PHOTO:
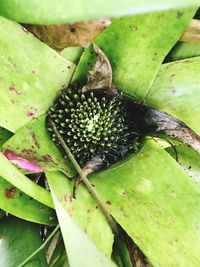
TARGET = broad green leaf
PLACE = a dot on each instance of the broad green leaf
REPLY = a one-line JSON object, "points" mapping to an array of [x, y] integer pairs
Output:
{"points": [[72, 54], [135, 47], [156, 203], [21, 205], [83, 210], [81, 251], [4, 136], [176, 91], [32, 142], [184, 50], [188, 160], [17, 179], [18, 239], [54, 12], [32, 75]]}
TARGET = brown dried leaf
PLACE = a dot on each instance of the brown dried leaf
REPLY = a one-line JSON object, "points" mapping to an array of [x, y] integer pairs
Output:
{"points": [[192, 34], [100, 76], [69, 34]]}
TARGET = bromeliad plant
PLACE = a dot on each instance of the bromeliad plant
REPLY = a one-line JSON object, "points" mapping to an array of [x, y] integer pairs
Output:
{"points": [[97, 121], [145, 193]]}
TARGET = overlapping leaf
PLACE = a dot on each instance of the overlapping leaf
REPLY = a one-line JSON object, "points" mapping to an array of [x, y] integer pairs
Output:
{"points": [[77, 242], [188, 160], [176, 91], [135, 47], [184, 50], [17, 179], [18, 239], [55, 12], [28, 76], [32, 142], [21, 205], [156, 203], [4, 136], [83, 210]]}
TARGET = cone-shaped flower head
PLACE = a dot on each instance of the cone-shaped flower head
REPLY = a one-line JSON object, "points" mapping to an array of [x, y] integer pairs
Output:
{"points": [[92, 125]]}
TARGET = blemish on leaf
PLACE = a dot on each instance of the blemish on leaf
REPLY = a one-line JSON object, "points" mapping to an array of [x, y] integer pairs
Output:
{"points": [[108, 202], [30, 114], [9, 192], [48, 158], [13, 87], [35, 140], [97, 207], [65, 198], [173, 193], [179, 14], [26, 152], [173, 90], [122, 194]]}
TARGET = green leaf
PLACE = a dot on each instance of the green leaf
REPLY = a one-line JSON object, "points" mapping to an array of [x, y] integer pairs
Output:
{"points": [[188, 159], [32, 142], [21, 205], [176, 91], [136, 48], [72, 54], [54, 12], [121, 253], [4, 136], [184, 50], [59, 257], [81, 251], [156, 203], [32, 75], [83, 210], [18, 239], [17, 179]]}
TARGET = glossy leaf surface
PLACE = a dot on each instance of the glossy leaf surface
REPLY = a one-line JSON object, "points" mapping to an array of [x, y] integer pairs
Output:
{"points": [[55, 12]]}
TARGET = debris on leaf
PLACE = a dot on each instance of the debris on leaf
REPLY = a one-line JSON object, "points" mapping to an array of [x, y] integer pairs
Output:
{"points": [[100, 76], [22, 163], [68, 35]]}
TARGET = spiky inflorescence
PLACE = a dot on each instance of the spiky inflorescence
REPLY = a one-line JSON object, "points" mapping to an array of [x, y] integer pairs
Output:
{"points": [[92, 125]]}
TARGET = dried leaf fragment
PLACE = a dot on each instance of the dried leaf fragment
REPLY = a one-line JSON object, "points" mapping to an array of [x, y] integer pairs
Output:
{"points": [[100, 76], [192, 34], [69, 34]]}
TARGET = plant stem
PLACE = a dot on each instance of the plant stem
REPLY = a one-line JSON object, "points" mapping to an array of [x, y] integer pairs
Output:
{"points": [[40, 248], [87, 183], [173, 127]]}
